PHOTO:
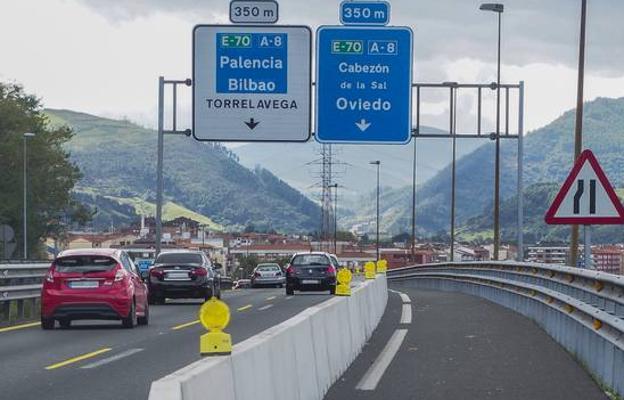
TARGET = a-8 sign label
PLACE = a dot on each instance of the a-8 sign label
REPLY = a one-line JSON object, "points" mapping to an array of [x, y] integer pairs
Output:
{"points": [[251, 83], [364, 78]]}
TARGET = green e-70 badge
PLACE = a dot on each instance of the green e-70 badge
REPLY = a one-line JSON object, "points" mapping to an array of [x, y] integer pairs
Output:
{"points": [[347, 47]]}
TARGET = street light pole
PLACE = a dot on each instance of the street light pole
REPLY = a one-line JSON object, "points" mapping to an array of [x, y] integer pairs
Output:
{"points": [[25, 207], [335, 186], [578, 130], [497, 8], [378, 164]]}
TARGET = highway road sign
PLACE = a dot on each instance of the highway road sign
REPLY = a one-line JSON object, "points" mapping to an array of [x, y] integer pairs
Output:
{"points": [[364, 78], [586, 197], [254, 11], [364, 13], [251, 83]]}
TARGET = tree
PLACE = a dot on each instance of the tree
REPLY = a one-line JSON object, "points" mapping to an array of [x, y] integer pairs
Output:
{"points": [[51, 174]]}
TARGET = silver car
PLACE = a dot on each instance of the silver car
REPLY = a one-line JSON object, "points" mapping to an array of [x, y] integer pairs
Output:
{"points": [[268, 274]]}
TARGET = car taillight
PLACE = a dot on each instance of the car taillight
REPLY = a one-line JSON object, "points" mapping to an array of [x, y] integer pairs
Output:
{"points": [[331, 270], [119, 275], [290, 270], [257, 274], [157, 273], [200, 272], [279, 273]]}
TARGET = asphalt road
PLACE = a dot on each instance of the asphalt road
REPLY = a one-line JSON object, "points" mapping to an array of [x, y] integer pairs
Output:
{"points": [[121, 363], [460, 347]]}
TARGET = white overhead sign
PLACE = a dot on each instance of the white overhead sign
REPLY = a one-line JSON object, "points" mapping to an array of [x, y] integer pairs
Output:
{"points": [[254, 11], [586, 197], [251, 83]]}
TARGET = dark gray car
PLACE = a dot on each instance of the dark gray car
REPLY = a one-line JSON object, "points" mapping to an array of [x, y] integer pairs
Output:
{"points": [[311, 271], [183, 274]]}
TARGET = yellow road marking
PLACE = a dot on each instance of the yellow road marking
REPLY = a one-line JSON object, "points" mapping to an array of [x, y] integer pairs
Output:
{"points": [[270, 298], [79, 358], [16, 327], [181, 326], [243, 308]]}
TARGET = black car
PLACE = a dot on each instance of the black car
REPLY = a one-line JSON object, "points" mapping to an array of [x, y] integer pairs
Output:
{"points": [[311, 271], [183, 274]]}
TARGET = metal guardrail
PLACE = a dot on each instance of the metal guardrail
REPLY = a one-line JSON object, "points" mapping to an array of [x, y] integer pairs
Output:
{"points": [[20, 289], [583, 310]]}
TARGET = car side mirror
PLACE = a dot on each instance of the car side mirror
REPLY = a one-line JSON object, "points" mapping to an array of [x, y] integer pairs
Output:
{"points": [[218, 266]]}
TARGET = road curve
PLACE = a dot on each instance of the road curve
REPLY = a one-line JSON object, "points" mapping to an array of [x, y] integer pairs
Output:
{"points": [[434, 345]]}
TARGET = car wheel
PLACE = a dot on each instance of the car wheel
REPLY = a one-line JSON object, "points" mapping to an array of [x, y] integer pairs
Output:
{"points": [[144, 320], [332, 290], [290, 291], [208, 294], [65, 323], [47, 323], [129, 321]]}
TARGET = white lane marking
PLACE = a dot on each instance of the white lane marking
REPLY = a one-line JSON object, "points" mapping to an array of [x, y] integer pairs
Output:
{"points": [[111, 359], [265, 307], [404, 298], [371, 379], [406, 314], [290, 297]]}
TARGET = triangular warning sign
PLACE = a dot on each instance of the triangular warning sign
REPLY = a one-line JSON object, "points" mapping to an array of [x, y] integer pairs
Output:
{"points": [[586, 197]]}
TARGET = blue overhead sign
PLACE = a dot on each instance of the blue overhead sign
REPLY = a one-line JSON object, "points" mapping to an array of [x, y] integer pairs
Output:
{"points": [[364, 79], [364, 13]]}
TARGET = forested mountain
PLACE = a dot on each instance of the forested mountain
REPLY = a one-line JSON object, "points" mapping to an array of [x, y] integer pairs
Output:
{"points": [[118, 161]]}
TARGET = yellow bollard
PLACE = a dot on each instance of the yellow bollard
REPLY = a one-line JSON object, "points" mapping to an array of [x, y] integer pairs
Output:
{"points": [[382, 266], [369, 270], [344, 282], [214, 315]]}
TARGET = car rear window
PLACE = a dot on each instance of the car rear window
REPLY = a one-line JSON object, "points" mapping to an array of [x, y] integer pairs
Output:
{"points": [[310, 259], [179, 258], [84, 263], [268, 268]]}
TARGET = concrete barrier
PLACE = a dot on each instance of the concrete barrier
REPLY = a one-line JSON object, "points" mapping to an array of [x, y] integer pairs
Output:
{"points": [[297, 359]]}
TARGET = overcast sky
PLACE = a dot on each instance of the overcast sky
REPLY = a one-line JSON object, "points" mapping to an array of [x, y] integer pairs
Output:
{"points": [[104, 56]]}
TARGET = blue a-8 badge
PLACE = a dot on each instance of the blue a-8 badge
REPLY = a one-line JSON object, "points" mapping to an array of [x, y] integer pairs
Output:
{"points": [[364, 78]]}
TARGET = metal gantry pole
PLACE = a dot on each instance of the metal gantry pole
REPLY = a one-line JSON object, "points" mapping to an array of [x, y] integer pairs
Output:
{"points": [[578, 130], [520, 195], [25, 215], [159, 166], [336, 219], [497, 160], [414, 203], [452, 131], [378, 164]]}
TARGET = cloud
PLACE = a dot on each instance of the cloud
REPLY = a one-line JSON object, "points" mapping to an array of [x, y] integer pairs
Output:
{"points": [[534, 31]]}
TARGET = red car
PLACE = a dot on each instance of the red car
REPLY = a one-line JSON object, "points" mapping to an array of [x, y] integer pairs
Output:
{"points": [[93, 284]]}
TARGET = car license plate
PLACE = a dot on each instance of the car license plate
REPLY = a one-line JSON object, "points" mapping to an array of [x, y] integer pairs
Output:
{"points": [[84, 284], [310, 282], [177, 275]]}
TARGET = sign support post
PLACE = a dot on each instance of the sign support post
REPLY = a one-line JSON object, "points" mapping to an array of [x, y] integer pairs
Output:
{"points": [[587, 253]]}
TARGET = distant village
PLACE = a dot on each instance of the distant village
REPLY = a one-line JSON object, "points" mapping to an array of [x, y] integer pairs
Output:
{"points": [[233, 250]]}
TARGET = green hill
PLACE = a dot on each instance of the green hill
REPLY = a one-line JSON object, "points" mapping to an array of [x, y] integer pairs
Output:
{"points": [[548, 159], [203, 180]]}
